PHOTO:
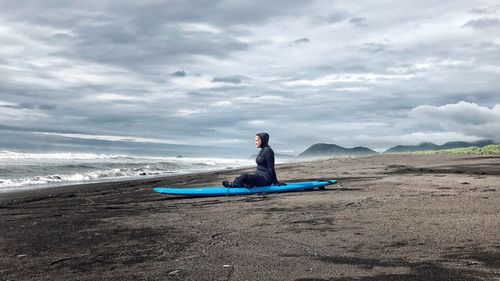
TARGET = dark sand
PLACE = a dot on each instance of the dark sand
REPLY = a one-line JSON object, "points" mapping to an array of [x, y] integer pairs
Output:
{"points": [[395, 217]]}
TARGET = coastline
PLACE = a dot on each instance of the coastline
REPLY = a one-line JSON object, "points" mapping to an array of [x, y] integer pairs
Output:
{"points": [[27, 171], [41, 190], [114, 183], [392, 217], [27, 191]]}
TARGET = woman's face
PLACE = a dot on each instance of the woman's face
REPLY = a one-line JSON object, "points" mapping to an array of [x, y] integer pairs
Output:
{"points": [[258, 141]]}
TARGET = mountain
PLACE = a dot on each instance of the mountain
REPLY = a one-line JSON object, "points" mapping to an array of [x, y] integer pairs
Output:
{"points": [[431, 146], [412, 148], [459, 144], [328, 150]]}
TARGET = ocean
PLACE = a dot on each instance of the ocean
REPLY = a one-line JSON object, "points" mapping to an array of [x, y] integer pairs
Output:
{"points": [[21, 170]]}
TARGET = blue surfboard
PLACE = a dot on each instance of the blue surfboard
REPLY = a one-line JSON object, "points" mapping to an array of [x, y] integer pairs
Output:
{"points": [[225, 191]]}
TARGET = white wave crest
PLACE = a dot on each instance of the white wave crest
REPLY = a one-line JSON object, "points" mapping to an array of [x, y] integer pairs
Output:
{"points": [[53, 169]]}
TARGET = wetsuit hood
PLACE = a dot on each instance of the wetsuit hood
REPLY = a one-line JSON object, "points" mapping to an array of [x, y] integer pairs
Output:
{"points": [[264, 137]]}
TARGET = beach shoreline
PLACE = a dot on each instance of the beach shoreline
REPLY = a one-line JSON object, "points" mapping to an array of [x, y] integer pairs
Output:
{"points": [[392, 217], [27, 191]]}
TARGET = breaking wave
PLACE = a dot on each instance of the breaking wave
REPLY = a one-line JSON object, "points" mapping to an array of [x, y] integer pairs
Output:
{"points": [[20, 170]]}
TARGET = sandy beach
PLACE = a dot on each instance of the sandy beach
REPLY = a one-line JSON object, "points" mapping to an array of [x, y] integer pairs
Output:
{"points": [[392, 217]]}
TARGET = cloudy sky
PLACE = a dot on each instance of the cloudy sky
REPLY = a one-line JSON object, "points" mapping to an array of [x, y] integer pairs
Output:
{"points": [[214, 73]]}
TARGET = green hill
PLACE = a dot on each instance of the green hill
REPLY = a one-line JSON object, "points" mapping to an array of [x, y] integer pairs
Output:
{"points": [[485, 150], [430, 146]]}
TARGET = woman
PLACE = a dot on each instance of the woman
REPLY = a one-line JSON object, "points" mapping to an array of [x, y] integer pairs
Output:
{"points": [[265, 174]]}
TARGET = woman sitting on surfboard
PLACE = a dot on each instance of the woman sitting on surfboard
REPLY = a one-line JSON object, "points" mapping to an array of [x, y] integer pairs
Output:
{"points": [[265, 174]]}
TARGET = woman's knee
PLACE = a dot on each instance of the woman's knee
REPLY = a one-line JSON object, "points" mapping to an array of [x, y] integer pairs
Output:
{"points": [[240, 180], [243, 177]]}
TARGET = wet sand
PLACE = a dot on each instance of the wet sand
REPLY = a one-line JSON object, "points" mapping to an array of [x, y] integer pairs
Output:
{"points": [[393, 217]]}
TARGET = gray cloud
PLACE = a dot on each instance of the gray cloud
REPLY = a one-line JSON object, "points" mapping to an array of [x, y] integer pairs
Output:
{"points": [[109, 68], [179, 73], [485, 10], [330, 17], [165, 44], [374, 47], [152, 13], [227, 79], [30, 106], [463, 117], [483, 23], [301, 41], [359, 21], [136, 36], [13, 106]]}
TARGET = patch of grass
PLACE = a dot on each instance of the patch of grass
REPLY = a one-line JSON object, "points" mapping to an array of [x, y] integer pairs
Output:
{"points": [[489, 149]]}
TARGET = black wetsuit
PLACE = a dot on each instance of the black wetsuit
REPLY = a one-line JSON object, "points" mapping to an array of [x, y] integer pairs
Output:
{"points": [[265, 174]]}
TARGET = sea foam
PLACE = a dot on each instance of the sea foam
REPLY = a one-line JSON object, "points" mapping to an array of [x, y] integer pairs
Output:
{"points": [[19, 170]]}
